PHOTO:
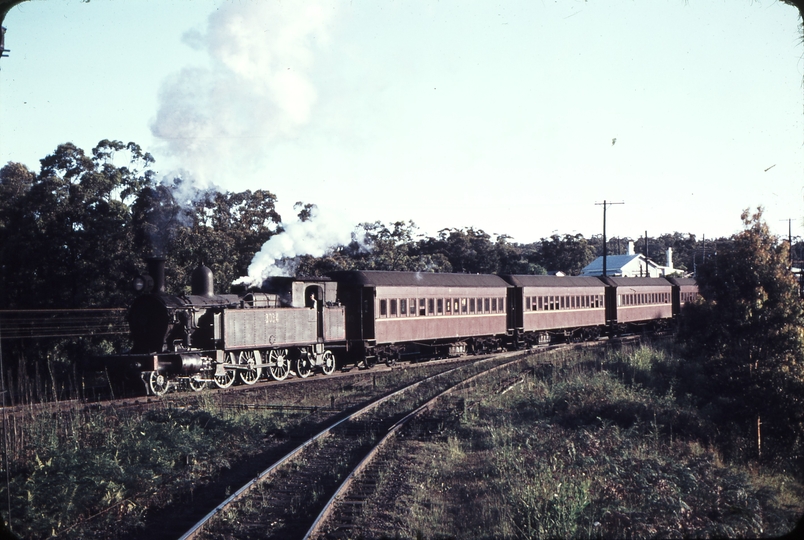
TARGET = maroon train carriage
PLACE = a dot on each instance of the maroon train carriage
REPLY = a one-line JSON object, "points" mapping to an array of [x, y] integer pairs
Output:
{"points": [[684, 290], [548, 308], [390, 315], [204, 338], [637, 302]]}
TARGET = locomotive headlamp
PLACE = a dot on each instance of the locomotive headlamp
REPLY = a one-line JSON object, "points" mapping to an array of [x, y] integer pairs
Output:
{"points": [[143, 283]]}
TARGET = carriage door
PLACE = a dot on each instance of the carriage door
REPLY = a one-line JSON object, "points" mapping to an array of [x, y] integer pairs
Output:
{"points": [[314, 299]]}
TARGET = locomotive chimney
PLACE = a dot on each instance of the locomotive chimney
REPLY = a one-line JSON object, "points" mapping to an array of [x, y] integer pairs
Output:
{"points": [[156, 269], [202, 282]]}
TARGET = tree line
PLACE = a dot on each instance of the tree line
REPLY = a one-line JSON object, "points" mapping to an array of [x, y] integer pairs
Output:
{"points": [[75, 233]]}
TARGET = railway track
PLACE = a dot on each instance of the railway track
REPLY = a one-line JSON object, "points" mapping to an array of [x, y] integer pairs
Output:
{"points": [[299, 490]]}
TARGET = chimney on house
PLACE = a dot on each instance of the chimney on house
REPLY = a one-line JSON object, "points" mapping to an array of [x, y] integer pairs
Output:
{"points": [[669, 258], [630, 247]]}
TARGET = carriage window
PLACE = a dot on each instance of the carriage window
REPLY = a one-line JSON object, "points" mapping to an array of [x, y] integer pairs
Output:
{"points": [[430, 306], [563, 302], [541, 304], [403, 307], [383, 308], [501, 304], [464, 305], [440, 306], [393, 308], [486, 305], [494, 305], [422, 311], [456, 306], [527, 303], [448, 303], [471, 305]]}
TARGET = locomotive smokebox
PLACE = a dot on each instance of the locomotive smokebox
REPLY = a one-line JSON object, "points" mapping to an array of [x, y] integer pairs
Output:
{"points": [[201, 281], [156, 269]]}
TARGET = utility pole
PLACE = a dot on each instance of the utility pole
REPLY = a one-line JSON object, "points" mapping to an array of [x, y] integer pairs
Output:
{"points": [[605, 204], [789, 238]]}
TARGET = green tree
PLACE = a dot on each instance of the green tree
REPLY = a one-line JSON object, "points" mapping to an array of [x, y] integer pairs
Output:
{"points": [[569, 254], [66, 232], [748, 328]]}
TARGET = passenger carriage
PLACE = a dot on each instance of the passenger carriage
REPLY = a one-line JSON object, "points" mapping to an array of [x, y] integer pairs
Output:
{"points": [[636, 303], [390, 315], [557, 307]]}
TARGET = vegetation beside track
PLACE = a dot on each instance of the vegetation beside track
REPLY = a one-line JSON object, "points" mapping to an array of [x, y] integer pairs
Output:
{"points": [[606, 444], [610, 445], [92, 471]]}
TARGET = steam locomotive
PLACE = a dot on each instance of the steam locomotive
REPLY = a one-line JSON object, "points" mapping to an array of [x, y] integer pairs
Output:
{"points": [[303, 326]]}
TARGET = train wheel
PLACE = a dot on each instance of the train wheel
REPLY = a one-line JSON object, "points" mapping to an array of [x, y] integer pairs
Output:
{"points": [[158, 383], [197, 384], [329, 363], [278, 364], [304, 367], [226, 380], [252, 375]]}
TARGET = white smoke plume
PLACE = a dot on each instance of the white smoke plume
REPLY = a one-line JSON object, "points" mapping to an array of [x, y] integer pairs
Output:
{"points": [[218, 121], [315, 237]]}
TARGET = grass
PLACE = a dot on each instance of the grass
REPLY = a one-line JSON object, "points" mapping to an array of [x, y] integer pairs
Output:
{"points": [[83, 472], [600, 445], [603, 447]]}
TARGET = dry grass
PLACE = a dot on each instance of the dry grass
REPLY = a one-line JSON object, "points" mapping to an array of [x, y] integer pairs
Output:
{"points": [[590, 450]]}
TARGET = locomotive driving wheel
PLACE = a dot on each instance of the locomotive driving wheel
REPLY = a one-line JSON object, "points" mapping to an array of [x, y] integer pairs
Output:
{"points": [[303, 365], [329, 363], [226, 380], [197, 383], [251, 375], [278, 364], [158, 383]]}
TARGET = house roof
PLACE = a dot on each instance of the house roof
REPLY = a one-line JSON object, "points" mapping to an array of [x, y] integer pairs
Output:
{"points": [[614, 263]]}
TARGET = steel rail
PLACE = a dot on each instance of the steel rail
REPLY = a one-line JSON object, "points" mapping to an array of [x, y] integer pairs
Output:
{"points": [[190, 534], [392, 432]]}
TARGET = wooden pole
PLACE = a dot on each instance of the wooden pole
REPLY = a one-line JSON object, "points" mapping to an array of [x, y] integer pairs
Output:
{"points": [[759, 437]]}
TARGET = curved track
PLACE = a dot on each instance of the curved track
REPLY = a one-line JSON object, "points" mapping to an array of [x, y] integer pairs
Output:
{"points": [[286, 507], [345, 490]]}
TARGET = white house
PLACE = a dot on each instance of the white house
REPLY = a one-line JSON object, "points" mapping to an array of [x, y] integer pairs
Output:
{"points": [[630, 265]]}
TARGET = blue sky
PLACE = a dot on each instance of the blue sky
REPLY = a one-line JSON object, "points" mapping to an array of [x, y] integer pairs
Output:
{"points": [[512, 117]]}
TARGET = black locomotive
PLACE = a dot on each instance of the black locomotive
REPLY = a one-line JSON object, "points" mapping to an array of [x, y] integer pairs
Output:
{"points": [[301, 326]]}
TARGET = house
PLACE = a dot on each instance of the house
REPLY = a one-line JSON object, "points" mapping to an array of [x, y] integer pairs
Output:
{"points": [[630, 265]]}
